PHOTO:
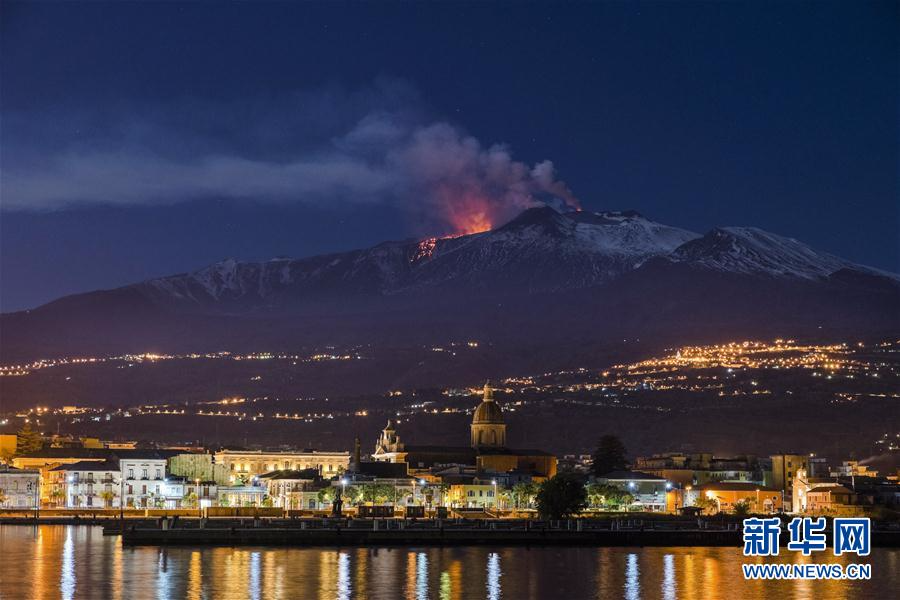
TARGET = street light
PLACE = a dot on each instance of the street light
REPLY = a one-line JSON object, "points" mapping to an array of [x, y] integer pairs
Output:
{"points": [[496, 500]]}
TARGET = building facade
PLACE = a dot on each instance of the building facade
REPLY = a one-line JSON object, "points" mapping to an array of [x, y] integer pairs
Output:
{"points": [[144, 480], [19, 488], [87, 484], [487, 450], [242, 466]]}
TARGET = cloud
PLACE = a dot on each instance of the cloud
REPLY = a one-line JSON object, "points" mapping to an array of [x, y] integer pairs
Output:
{"points": [[329, 147]]}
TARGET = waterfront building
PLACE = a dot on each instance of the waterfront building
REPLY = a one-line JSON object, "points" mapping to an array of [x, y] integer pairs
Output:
{"points": [[46, 459], [19, 488], [144, 475], [183, 492], [700, 468], [199, 465], [726, 494], [834, 499], [650, 492], [781, 475], [241, 495], [487, 450], [243, 465], [471, 495], [286, 486], [86, 484]]}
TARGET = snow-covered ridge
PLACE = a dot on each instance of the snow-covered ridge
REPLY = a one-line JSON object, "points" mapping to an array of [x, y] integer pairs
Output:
{"points": [[540, 250], [749, 250]]}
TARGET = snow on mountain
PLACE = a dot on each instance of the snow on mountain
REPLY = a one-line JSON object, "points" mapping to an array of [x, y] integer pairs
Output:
{"points": [[541, 250], [749, 250]]}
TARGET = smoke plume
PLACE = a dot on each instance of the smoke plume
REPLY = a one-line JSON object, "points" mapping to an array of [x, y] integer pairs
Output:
{"points": [[328, 147]]}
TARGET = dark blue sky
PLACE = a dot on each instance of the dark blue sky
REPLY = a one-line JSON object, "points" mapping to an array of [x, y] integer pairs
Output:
{"points": [[146, 139]]}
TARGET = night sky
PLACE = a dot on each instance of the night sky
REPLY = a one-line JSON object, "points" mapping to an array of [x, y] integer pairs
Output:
{"points": [[141, 140]]}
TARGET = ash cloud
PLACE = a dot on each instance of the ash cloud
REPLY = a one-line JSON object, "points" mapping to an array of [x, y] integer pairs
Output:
{"points": [[329, 147]]}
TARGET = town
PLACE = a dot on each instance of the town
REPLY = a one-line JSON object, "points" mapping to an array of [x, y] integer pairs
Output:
{"points": [[482, 478]]}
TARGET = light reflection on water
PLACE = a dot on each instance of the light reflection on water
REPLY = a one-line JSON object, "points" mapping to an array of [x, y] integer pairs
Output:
{"points": [[78, 562]]}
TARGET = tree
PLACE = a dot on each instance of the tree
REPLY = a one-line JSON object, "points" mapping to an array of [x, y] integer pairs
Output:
{"points": [[742, 508], [705, 504], [523, 494], [28, 440], [57, 495], [382, 492], [267, 502], [608, 497], [190, 500], [2, 496], [609, 456], [560, 497], [326, 495]]}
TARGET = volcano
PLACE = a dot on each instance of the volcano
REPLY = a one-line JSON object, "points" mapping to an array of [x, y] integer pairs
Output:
{"points": [[545, 278]]}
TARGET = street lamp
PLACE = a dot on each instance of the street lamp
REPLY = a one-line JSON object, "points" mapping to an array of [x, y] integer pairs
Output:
{"points": [[199, 508], [496, 499]]}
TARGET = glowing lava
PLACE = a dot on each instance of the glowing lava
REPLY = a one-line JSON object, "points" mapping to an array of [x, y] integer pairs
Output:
{"points": [[424, 250]]}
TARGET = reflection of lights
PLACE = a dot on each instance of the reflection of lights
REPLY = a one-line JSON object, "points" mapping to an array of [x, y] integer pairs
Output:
{"points": [[254, 583], [668, 585], [493, 576], [421, 576], [343, 578], [632, 578], [67, 573], [446, 585]]}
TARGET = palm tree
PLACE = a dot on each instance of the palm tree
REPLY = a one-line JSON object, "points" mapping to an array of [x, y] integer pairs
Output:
{"points": [[107, 497], [57, 495]]}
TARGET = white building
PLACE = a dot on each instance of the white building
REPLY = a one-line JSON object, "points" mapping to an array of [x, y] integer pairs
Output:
{"points": [[181, 492], [87, 484], [19, 488], [144, 479]]}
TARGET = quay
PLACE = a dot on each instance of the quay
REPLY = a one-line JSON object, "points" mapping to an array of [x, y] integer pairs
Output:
{"points": [[438, 532]]}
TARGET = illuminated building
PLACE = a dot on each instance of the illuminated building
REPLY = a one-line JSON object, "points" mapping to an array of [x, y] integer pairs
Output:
{"points": [[243, 465], [18, 487], [650, 492], [286, 487], [835, 499], [144, 475], [86, 484], [487, 450], [781, 476], [726, 494]]}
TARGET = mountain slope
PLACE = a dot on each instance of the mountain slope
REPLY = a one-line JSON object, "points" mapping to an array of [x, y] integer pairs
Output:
{"points": [[541, 250], [543, 278]]}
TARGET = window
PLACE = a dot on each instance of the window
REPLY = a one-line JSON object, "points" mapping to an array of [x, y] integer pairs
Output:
{"points": [[130, 489], [144, 489], [130, 473], [158, 474], [144, 474], [471, 493]]}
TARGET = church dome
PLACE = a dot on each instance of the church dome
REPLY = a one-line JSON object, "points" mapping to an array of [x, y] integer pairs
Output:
{"points": [[488, 411]]}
